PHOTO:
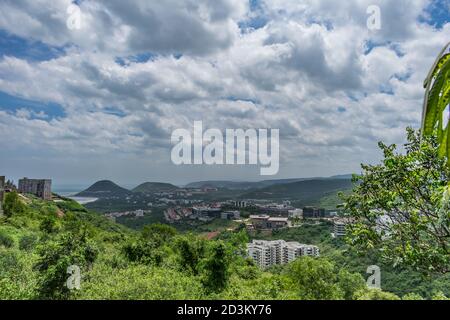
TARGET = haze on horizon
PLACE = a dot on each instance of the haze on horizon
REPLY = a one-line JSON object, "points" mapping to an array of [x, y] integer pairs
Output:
{"points": [[101, 102]]}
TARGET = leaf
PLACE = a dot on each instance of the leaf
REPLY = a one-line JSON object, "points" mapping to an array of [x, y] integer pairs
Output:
{"points": [[436, 99]]}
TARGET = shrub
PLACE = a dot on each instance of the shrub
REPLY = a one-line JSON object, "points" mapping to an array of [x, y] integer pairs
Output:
{"points": [[5, 240], [28, 242], [13, 205]]}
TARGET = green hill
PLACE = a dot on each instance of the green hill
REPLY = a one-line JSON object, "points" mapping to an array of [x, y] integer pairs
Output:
{"points": [[152, 187], [40, 240], [307, 190], [104, 189], [246, 185]]}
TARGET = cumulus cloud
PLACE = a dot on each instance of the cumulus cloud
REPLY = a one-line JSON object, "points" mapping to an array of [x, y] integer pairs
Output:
{"points": [[310, 68]]}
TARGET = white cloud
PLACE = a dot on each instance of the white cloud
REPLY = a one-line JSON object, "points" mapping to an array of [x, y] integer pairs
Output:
{"points": [[312, 71]]}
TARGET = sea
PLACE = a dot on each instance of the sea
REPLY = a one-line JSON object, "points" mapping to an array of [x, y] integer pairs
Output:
{"points": [[70, 192]]}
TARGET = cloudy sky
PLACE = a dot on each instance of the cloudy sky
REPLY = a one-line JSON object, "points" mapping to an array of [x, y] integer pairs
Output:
{"points": [[101, 101]]}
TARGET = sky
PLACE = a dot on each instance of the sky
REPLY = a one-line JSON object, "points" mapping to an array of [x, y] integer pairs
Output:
{"points": [[100, 100]]}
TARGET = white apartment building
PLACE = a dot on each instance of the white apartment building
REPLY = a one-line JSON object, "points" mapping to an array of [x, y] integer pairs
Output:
{"points": [[268, 253], [339, 228]]}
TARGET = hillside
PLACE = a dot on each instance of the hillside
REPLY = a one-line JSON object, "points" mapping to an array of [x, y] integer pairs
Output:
{"points": [[246, 185], [104, 189], [40, 240], [308, 190], [232, 185], [152, 187]]}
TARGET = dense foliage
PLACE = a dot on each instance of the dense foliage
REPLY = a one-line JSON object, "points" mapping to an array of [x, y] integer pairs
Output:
{"points": [[437, 99], [398, 208]]}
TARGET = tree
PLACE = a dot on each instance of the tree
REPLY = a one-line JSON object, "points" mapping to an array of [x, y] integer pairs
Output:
{"points": [[315, 279], [142, 251], [13, 205], [56, 256], [412, 296], [350, 283], [375, 294], [398, 208], [216, 268], [158, 232], [191, 250]]}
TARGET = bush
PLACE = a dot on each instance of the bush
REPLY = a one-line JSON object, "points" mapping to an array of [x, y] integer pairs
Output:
{"points": [[375, 294], [13, 205], [6, 241], [28, 242]]}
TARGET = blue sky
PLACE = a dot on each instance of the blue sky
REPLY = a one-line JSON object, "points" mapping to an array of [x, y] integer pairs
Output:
{"points": [[88, 103]]}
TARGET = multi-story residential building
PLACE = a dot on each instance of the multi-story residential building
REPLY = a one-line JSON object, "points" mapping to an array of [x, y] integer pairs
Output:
{"points": [[268, 253], [339, 227], [2, 193], [41, 188]]}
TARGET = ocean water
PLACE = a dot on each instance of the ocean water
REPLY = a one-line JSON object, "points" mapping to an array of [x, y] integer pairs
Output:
{"points": [[70, 193]]}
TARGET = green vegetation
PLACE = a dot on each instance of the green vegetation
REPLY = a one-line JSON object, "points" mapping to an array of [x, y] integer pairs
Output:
{"points": [[398, 280], [152, 187], [12, 204], [398, 207], [308, 191], [437, 98], [156, 263]]}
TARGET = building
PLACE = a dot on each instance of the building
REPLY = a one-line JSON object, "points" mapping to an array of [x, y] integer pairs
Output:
{"points": [[263, 221], [295, 213], [41, 188], [269, 253], [339, 228], [139, 213], [240, 204], [230, 215], [207, 211], [311, 212], [279, 209], [277, 223], [259, 221], [2, 193]]}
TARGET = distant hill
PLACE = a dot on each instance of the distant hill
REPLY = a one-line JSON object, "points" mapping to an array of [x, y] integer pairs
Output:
{"points": [[232, 185], [104, 189], [306, 190], [246, 185], [152, 187]]}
